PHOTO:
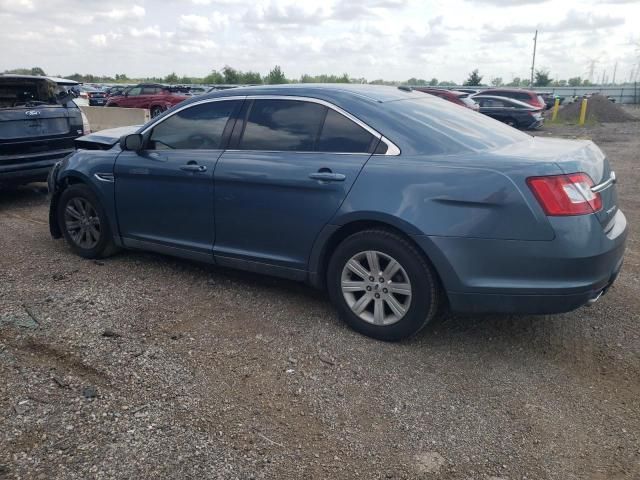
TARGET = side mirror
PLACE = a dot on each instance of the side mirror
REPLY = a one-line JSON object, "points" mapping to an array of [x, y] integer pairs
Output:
{"points": [[131, 142]]}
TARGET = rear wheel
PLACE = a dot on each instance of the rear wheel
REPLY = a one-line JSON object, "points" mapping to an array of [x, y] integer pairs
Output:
{"points": [[382, 286], [83, 223]]}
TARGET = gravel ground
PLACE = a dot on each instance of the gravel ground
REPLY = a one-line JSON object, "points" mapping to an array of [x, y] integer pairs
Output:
{"points": [[144, 366]]}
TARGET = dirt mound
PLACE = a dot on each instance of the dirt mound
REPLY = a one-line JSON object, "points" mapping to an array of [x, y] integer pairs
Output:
{"points": [[599, 109]]}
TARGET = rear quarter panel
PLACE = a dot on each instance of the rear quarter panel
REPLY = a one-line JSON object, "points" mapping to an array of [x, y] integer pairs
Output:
{"points": [[449, 196]]}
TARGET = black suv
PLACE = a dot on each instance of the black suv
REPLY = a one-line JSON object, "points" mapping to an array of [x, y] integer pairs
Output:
{"points": [[38, 124]]}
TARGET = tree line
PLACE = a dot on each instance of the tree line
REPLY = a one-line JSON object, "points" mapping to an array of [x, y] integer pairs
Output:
{"points": [[232, 76]]}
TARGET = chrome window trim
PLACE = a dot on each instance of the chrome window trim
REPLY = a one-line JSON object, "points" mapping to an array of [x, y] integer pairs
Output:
{"points": [[392, 149]]}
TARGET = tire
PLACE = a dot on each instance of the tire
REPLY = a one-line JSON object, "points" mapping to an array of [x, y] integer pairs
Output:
{"points": [[155, 111], [78, 204], [399, 311]]}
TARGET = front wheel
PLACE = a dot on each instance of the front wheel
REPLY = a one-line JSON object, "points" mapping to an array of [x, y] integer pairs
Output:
{"points": [[83, 223], [382, 286]]}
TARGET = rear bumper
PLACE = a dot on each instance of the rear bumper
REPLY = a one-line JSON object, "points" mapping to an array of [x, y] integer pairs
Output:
{"points": [[533, 277]]}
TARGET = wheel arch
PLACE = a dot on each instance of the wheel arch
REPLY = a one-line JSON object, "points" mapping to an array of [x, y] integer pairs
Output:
{"points": [[333, 235], [74, 177]]}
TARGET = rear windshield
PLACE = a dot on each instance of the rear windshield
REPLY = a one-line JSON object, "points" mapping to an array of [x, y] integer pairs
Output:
{"points": [[21, 92], [441, 127]]}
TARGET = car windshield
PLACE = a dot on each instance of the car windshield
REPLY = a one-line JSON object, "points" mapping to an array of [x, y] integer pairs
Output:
{"points": [[445, 128]]}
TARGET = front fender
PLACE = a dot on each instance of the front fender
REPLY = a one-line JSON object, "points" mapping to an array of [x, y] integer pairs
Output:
{"points": [[82, 167]]}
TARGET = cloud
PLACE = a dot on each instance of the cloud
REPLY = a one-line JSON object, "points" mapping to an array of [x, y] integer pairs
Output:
{"points": [[289, 15], [135, 12], [99, 40], [510, 3], [195, 23], [574, 21], [349, 10], [148, 32], [16, 6]]}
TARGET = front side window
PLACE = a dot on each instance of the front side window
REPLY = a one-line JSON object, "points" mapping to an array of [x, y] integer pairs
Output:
{"points": [[194, 128], [282, 125], [339, 134], [134, 91]]}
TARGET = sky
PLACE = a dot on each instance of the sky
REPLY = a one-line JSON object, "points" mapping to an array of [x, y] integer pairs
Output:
{"points": [[389, 39]]}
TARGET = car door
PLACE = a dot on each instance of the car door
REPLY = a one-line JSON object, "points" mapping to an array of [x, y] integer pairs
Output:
{"points": [[164, 194], [282, 180], [131, 98]]}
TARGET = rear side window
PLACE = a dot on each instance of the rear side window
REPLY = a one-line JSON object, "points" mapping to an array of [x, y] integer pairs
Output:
{"points": [[134, 91], [282, 125], [194, 128], [339, 134]]}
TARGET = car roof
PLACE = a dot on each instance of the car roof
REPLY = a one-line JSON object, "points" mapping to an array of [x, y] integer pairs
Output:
{"points": [[373, 93], [524, 90]]}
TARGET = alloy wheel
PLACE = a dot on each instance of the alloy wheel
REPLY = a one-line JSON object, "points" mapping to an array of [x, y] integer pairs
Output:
{"points": [[376, 287], [82, 223]]}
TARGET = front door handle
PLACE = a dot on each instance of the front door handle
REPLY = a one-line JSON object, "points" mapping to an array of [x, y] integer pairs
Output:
{"points": [[194, 168], [327, 176]]}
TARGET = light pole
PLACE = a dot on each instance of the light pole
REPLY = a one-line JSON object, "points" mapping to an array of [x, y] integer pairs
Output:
{"points": [[533, 61]]}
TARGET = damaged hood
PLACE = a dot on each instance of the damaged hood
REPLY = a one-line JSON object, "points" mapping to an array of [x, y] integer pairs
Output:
{"points": [[106, 138]]}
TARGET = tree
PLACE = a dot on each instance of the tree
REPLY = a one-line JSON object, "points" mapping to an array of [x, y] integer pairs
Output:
{"points": [[542, 78], [121, 77], [214, 78], [275, 76], [474, 79], [497, 82], [446, 83], [171, 78], [251, 77], [515, 82], [586, 82], [433, 82], [575, 81], [231, 75], [37, 71]]}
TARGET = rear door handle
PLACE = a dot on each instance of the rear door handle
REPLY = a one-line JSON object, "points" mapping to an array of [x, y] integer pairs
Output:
{"points": [[194, 168], [327, 176]]}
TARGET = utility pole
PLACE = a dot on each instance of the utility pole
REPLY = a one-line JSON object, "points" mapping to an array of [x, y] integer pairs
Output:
{"points": [[533, 61], [615, 67]]}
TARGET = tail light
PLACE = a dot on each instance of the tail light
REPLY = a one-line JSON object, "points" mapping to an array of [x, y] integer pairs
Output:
{"points": [[86, 128], [562, 195]]}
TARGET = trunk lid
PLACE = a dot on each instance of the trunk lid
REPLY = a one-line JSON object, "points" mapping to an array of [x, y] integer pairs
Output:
{"points": [[34, 122], [573, 156]]}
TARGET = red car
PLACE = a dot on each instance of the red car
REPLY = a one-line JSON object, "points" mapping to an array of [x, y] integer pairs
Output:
{"points": [[459, 98], [154, 97], [526, 96]]}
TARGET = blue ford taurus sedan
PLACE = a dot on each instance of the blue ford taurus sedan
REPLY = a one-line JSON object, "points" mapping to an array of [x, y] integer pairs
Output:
{"points": [[396, 202]]}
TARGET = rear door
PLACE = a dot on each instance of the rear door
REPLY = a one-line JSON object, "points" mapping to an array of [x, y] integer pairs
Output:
{"points": [[287, 174], [165, 193]]}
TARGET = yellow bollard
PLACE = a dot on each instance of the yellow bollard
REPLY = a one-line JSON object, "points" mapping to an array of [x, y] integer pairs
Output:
{"points": [[556, 106], [583, 112]]}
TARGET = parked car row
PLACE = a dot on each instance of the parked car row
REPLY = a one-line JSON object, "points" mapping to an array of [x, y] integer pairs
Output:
{"points": [[516, 107]]}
